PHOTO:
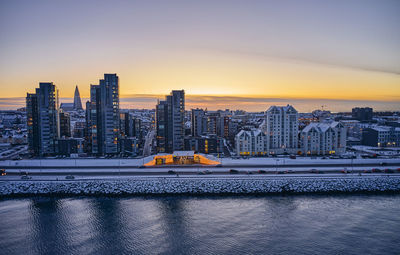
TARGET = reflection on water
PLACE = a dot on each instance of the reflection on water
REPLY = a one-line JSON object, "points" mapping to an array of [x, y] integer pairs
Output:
{"points": [[354, 224]]}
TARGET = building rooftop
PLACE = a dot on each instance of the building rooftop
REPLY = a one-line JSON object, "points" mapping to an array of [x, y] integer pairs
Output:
{"points": [[320, 126], [183, 154]]}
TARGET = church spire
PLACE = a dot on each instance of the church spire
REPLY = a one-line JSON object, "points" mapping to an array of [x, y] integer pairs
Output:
{"points": [[77, 99]]}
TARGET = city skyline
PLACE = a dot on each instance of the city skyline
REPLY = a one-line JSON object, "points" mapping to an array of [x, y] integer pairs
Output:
{"points": [[103, 129], [199, 127], [274, 54]]}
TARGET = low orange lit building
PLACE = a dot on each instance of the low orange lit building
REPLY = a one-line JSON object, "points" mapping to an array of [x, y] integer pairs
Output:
{"points": [[181, 158]]}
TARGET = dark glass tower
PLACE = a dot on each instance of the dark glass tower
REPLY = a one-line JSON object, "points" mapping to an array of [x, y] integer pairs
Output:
{"points": [[65, 124], [162, 127], [103, 118], [43, 119], [109, 93], [170, 116], [32, 118]]}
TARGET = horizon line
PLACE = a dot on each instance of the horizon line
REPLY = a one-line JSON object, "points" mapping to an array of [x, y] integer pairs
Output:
{"points": [[233, 102]]}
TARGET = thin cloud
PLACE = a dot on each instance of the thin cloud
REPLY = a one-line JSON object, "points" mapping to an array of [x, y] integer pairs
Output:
{"points": [[303, 60]]}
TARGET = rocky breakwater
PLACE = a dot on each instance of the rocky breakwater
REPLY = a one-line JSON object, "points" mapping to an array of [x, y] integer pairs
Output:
{"points": [[200, 186]]}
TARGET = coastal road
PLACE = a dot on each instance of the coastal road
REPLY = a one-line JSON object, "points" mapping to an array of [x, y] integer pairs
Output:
{"points": [[14, 152], [4, 179], [258, 166], [148, 143], [201, 172]]}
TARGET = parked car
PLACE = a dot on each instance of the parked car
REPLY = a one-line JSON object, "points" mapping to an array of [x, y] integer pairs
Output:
{"points": [[204, 172], [389, 171], [261, 171], [376, 170], [367, 171], [171, 172], [26, 177], [70, 177], [233, 171]]}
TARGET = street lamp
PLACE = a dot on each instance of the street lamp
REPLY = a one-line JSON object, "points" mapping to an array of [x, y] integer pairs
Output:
{"points": [[352, 168]]}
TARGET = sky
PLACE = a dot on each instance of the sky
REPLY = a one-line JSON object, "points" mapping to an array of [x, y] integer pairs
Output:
{"points": [[224, 54]]}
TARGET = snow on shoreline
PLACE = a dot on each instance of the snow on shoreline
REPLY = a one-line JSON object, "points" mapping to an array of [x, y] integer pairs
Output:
{"points": [[200, 186]]}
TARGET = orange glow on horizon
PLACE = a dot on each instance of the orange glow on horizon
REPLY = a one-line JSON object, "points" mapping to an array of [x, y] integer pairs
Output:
{"points": [[212, 79]]}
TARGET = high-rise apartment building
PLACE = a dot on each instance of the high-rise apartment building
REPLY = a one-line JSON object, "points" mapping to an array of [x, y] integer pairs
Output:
{"points": [[170, 116], [32, 118], [281, 128], [43, 119], [177, 112], [93, 122], [103, 118], [109, 90], [199, 122], [162, 127]]}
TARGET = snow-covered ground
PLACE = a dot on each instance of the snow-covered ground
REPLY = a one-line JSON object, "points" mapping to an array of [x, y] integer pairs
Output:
{"points": [[222, 185]]}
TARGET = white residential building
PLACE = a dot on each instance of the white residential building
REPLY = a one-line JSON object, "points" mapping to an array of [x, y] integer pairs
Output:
{"points": [[282, 128], [251, 143], [323, 139]]}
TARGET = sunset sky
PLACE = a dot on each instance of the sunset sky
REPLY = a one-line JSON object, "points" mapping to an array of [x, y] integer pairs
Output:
{"points": [[225, 54]]}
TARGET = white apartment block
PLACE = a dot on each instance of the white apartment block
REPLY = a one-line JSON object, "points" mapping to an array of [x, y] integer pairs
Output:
{"points": [[282, 128], [323, 139], [251, 143]]}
